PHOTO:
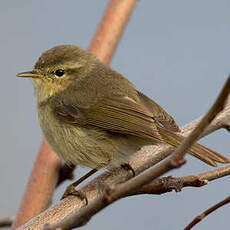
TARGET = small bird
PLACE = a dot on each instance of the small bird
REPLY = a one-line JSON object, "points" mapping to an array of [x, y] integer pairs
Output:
{"points": [[93, 116]]}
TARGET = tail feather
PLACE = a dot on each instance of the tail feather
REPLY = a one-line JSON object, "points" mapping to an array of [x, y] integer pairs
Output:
{"points": [[199, 151]]}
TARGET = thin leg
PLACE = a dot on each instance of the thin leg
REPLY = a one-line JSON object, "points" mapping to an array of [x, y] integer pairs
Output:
{"points": [[66, 172], [87, 175], [70, 190]]}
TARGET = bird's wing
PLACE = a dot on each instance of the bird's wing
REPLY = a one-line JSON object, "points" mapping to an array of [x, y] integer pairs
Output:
{"points": [[158, 113], [120, 115]]}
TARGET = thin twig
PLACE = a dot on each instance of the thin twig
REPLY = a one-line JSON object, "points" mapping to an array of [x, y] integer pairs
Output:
{"points": [[176, 160], [142, 160], [167, 184], [207, 212]]}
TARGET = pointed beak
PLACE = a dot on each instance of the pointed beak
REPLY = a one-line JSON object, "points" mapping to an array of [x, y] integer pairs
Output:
{"points": [[30, 74]]}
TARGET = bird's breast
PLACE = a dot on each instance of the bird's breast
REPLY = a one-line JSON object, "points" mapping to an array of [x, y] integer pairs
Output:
{"points": [[63, 138], [92, 148]]}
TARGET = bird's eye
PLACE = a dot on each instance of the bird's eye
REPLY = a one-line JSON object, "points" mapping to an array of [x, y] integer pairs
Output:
{"points": [[59, 72]]}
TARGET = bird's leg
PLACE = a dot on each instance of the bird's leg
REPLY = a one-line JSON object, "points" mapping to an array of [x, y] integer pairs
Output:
{"points": [[66, 172], [70, 190], [129, 168]]}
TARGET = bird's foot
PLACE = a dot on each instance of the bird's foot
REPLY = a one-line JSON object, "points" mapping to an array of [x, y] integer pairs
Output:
{"points": [[71, 191], [129, 168]]}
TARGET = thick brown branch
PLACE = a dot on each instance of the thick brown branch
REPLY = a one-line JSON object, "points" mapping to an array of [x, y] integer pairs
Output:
{"points": [[207, 212], [111, 28], [103, 45], [176, 160]]}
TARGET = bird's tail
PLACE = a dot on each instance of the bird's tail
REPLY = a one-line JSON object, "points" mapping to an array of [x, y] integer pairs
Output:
{"points": [[199, 151]]}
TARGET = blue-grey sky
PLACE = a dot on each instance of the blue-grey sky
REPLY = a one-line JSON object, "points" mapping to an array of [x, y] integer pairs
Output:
{"points": [[176, 52]]}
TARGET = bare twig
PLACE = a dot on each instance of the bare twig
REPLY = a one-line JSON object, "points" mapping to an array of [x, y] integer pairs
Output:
{"points": [[207, 212], [176, 160], [6, 222], [167, 184], [103, 45]]}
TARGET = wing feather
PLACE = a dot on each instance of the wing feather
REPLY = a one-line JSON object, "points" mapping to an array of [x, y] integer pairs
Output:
{"points": [[158, 113], [119, 115]]}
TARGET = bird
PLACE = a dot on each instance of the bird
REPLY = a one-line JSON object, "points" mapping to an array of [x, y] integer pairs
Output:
{"points": [[93, 116]]}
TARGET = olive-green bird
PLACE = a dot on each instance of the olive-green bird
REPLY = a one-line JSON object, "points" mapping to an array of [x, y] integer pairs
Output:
{"points": [[93, 116]]}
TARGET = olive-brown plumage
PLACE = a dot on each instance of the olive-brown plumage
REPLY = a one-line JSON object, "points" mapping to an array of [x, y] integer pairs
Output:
{"points": [[93, 116]]}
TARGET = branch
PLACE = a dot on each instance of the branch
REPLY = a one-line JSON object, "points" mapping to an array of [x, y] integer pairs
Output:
{"points": [[66, 172], [111, 28], [44, 176], [167, 184], [207, 212]]}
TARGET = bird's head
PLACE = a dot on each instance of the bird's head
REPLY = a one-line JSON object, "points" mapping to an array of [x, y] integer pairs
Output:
{"points": [[57, 68]]}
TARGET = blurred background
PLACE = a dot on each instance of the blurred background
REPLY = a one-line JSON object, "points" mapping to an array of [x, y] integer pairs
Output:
{"points": [[176, 52]]}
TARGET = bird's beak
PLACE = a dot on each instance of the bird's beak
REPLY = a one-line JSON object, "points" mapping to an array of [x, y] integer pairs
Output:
{"points": [[30, 74]]}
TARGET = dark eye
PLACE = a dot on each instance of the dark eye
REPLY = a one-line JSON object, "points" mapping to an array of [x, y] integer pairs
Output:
{"points": [[59, 72]]}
